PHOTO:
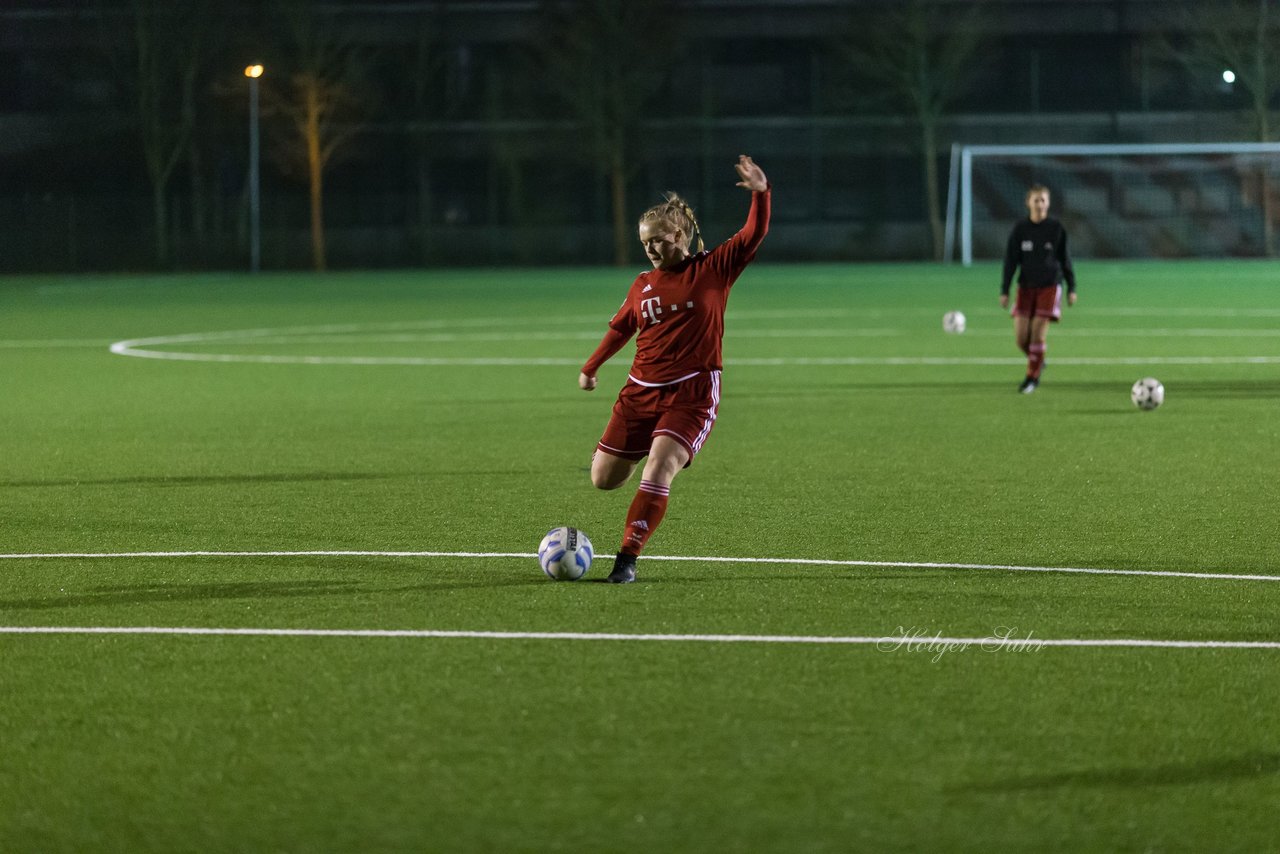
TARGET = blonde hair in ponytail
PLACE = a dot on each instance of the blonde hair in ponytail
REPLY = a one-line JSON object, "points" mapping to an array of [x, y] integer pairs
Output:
{"points": [[675, 212]]}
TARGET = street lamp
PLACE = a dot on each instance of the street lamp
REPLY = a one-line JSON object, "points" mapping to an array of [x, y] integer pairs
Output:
{"points": [[253, 72]]}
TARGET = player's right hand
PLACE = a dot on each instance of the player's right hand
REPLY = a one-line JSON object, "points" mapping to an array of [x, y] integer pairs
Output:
{"points": [[586, 383], [752, 176]]}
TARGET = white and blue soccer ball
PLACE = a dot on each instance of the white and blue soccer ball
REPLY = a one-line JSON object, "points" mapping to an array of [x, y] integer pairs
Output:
{"points": [[565, 554], [953, 322], [1147, 393]]}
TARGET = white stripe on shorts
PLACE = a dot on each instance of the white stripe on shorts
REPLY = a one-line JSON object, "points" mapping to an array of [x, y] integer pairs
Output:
{"points": [[711, 412]]}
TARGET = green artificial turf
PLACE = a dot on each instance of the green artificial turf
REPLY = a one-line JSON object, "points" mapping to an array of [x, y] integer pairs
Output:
{"points": [[851, 429]]}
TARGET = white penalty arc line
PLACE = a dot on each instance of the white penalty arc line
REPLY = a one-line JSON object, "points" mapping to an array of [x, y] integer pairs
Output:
{"points": [[131, 348], [935, 644], [593, 334], [785, 561], [45, 343], [446, 330]]}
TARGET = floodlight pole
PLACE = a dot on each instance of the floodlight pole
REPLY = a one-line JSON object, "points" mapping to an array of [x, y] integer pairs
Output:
{"points": [[253, 72]]}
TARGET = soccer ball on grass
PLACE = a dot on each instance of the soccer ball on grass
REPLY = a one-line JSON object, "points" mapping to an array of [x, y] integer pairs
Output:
{"points": [[953, 322], [565, 554], [1147, 393]]}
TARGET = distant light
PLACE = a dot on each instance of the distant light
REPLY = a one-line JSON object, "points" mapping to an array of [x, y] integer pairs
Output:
{"points": [[256, 71], [1228, 76]]}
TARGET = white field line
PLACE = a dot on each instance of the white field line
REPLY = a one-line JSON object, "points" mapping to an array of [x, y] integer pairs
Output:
{"points": [[340, 360], [587, 335], [132, 348], [596, 321], [944, 361], [42, 343], [1186, 312], [1114, 332], [594, 335], [785, 561], [928, 644], [444, 331], [1085, 309]]}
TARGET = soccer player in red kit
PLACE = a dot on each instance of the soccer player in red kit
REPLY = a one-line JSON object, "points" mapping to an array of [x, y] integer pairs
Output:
{"points": [[1037, 244], [676, 313]]}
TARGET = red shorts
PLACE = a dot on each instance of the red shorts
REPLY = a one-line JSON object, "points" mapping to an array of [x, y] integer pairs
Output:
{"points": [[685, 411], [1039, 302]]}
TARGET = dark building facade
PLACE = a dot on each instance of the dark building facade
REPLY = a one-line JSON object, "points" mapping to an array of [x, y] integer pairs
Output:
{"points": [[463, 142]]}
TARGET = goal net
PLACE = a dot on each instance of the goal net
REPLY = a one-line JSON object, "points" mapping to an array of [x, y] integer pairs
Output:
{"points": [[1121, 201]]}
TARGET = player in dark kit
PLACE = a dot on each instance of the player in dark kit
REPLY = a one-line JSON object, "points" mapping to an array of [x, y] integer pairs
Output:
{"points": [[676, 313], [1038, 244]]}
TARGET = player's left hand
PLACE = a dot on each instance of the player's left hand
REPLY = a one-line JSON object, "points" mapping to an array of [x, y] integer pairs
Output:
{"points": [[1071, 298], [752, 176]]}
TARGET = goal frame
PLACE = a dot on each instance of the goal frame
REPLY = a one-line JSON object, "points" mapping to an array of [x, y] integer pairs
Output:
{"points": [[960, 181]]}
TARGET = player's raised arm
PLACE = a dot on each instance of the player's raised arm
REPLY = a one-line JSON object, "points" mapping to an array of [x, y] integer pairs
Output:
{"points": [[732, 256]]}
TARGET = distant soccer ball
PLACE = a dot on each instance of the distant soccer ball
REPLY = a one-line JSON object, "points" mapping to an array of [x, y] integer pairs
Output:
{"points": [[953, 322], [565, 554], [1147, 393]]}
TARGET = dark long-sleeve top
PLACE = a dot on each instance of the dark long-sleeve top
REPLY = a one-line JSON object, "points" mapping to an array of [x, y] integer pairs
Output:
{"points": [[1040, 250]]}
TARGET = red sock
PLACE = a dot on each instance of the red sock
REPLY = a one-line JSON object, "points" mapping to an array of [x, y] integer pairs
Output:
{"points": [[1035, 360], [644, 516]]}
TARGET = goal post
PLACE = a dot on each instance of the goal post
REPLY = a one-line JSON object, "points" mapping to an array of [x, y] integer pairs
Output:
{"points": [[1136, 201]]}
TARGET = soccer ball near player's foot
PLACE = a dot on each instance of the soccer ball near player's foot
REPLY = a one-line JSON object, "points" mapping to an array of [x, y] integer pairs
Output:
{"points": [[1147, 393], [953, 322], [565, 554]]}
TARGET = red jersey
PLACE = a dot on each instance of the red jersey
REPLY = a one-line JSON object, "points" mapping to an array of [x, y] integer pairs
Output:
{"points": [[677, 314]]}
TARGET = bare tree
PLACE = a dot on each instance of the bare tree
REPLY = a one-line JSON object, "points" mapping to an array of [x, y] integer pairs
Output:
{"points": [[158, 65], [1242, 36], [320, 103], [920, 57], [607, 60]]}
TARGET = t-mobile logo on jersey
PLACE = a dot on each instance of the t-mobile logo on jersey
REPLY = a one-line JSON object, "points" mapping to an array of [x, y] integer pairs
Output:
{"points": [[651, 308]]}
